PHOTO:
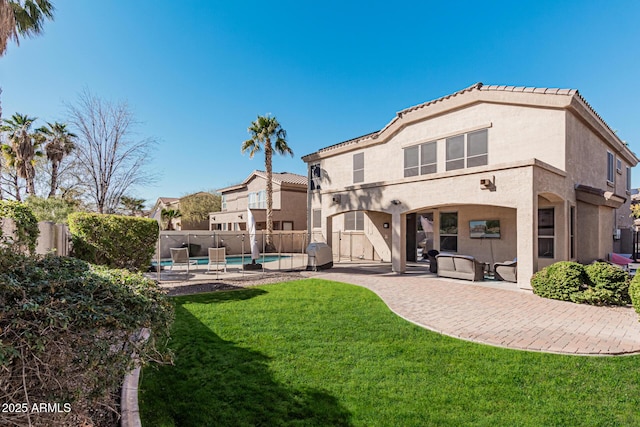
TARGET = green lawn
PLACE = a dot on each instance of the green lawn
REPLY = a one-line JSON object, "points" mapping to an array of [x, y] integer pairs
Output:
{"points": [[314, 352]]}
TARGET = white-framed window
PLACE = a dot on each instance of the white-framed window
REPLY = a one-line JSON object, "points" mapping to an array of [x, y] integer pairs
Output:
{"points": [[619, 166], [467, 150], [610, 170], [258, 200], [421, 159], [223, 203], [546, 232], [316, 218], [358, 168], [316, 177], [354, 221], [628, 179]]}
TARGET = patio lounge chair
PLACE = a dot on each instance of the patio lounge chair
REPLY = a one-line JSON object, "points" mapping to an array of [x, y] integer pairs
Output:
{"points": [[217, 257], [180, 256], [507, 271]]}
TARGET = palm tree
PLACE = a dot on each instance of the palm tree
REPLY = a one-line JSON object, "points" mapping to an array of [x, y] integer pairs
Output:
{"points": [[263, 132], [59, 144], [23, 147], [169, 215], [22, 18]]}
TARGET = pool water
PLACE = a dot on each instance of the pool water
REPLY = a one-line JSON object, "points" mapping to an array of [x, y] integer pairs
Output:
{"points": [[231, 260]]}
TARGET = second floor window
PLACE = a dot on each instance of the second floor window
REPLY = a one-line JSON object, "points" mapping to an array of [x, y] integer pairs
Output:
{"points": [[467, 151], [258, 200], [628, 178], [358, 168], [420, 159], [610, 170], [223, 203], [316, 177]]}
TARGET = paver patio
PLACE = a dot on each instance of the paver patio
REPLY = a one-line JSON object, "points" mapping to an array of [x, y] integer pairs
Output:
{"points": [[496, 313]]}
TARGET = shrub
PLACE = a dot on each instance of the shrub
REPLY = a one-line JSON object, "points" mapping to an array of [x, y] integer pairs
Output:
{"points": [[113, 240], [67, 331], [559, 280], [26, 226], [608, 285], [634, 292]]}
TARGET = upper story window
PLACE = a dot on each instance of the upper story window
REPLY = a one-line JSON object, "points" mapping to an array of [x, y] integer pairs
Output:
{"points": [[628, 179], [354, 221], [619, 166], [223, 203], [420, 159], [610, 170], [358, 168], [468, 150], [316, 177], [258, 200]]}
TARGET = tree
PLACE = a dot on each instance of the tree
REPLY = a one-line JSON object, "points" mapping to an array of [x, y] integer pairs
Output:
{"points": [[169, 215], [23, 147], [263, 131], [195, 208], [53, 209], [132, 204], [22, 18], [59, 143], [111, 162]]}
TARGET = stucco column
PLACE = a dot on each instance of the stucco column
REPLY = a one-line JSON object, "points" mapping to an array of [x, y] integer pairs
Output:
{"points": [[527, 218], [398, 248]]}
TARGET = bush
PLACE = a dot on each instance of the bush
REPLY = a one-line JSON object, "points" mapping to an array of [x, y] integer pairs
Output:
{"points": [[608, 285], [26, 226], [67, 331], [114, 240], [559, 280], [634, 292]]}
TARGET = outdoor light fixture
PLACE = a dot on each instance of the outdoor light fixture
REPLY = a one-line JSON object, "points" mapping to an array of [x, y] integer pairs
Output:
{"points": [[240, 216], [396, 202]]}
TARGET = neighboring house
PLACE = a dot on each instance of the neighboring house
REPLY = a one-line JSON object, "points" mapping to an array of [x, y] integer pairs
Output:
{"points": [[165, 203], [289, 203], [496, 172], [178, 223]]}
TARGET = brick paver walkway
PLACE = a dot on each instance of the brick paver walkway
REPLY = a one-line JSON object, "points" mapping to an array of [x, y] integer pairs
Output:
{"points": [[499, 315]]}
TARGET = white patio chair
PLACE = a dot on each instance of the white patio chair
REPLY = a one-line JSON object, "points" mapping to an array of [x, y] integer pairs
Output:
{"points": [[180, 256], [217, 257]]}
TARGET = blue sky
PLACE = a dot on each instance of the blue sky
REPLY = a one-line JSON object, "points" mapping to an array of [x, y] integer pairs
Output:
{"points": [[197, 73]]}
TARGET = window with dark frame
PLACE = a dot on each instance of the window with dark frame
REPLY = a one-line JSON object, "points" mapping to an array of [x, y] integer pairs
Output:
{"points": [[610, 171], [572, 232], [449, 232], [316, 177], [628, 179], [546, 233]]}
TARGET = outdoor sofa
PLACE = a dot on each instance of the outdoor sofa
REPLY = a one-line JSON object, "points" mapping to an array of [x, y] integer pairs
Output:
{"points": [[460, 267]]}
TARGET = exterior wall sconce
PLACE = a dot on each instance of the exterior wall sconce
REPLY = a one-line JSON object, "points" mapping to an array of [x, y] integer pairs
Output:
{"points": [[240, 216], [488, 184], [396, 202], [335, 198], [385, 225]]}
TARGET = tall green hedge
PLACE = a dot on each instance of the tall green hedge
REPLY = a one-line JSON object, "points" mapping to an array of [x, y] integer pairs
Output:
{"points": [[26, 226], [634, 292], [114, 240]]}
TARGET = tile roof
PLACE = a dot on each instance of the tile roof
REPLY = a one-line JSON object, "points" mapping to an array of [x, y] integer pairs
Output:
{"points": [[475, 87], [284, 177]]}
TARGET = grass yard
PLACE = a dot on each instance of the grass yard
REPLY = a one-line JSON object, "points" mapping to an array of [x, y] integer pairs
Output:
{"points": [[314, 352]]}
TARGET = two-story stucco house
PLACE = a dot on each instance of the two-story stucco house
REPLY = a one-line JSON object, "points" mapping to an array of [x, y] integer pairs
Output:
{"points": [[289, 203], [496, 172]]}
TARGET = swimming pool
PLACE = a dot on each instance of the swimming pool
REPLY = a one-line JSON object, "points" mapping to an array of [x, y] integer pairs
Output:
{"points": [[231, 260]]}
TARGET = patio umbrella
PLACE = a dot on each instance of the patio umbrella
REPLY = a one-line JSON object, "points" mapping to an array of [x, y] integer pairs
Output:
{"points": [[251, 226], [427, 225]]}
